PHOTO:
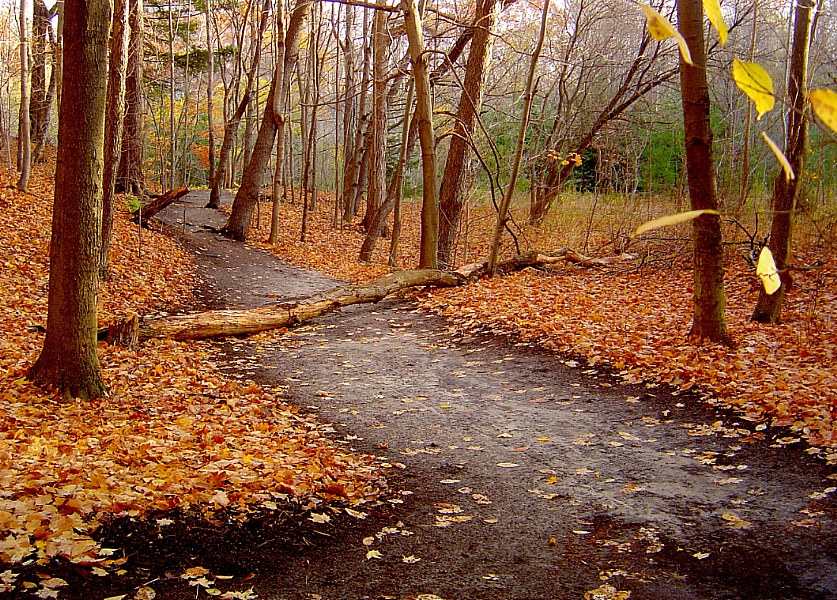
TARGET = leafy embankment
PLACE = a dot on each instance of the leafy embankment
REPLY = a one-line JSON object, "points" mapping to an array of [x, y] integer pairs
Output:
{"points": [[173, 434], [635, 320]]}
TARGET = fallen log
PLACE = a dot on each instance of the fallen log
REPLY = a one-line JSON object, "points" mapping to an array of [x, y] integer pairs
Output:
{"points": [[144, 213], [226, 323]]}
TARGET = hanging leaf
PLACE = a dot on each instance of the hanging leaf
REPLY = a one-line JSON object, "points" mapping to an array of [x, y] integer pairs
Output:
{"points": [[780, 156], [712, 8], [669, 220], [660, 29], [753, 80], [824, 102], [768, 273]]}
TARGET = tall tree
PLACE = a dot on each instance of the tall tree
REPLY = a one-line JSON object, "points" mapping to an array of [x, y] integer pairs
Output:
{"points": [[452, 191], [231, 125], [378, 146], [429, 242], [24, 135], [238, 225], [42, 93], [68, 360], [114, 120], [210, 90], [129, 176], [786, 191], [709, 299], [503, 212]]}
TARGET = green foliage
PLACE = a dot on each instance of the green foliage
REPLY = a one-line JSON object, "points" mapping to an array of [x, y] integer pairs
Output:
{"points": [[132, 203]]}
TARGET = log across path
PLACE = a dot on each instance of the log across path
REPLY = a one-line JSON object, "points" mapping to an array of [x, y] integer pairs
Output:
{"points": [[522, 475]]}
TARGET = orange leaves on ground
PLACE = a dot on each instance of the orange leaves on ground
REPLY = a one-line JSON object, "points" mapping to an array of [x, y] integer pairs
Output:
{"points": [[173, 432], [638, 323]]}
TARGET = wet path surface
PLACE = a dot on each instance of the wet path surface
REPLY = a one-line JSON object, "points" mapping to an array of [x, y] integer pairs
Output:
{"points": [[516, 474]]}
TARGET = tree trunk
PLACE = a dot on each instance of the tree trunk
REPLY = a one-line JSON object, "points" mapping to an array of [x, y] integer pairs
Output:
{"points": [[247, 198], [502, 214], [23, 137], [429, 243], [452, 191], [709, 297], [354, 150], [744, 188], [42, 94], [785, 192], [394, 190], [224, 323], [114, 120], [378, 144], [148, 211], [210, 90], [69, 361], [129, 178], [279, 115], [231, 126]]}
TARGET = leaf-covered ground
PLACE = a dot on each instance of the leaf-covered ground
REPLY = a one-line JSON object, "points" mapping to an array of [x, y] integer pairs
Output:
{"points": [[635, 321], [174, 432]]}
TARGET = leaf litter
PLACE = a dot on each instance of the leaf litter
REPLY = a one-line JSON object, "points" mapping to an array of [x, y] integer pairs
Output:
{"points": [[174, 432]]}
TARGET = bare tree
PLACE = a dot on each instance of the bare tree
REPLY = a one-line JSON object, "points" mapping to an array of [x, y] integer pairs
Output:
{"points": [[709, 299], [114, 121], [238, 225], [502, 213], [429, 243], [786, 191], [24, 141], [129, 177], [452, 191]]}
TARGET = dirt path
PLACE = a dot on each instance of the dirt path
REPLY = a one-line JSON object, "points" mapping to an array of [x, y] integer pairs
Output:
{"points": [[516, 475]]}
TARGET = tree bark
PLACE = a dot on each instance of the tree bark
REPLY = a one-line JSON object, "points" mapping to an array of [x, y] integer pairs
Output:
{"points": [[42, 93], [114, 121], [394, 190], [210, 89], [24, 133], [709, 299], [452, 191], [224, 323], [247, 198], [129, 178], [429, 243], [785, 193], [231, 126], [69, 361], [378, 144], [147, 212], [502, 214]]}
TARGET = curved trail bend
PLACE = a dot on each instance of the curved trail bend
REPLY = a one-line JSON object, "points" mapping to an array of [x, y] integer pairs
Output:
{"points": [[525, 476]]}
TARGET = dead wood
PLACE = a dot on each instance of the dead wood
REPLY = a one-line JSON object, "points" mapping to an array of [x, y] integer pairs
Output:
{"points": [[147, 211], [225, 323]]}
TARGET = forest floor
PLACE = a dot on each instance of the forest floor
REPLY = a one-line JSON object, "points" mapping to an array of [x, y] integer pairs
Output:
{"points": [[517, 473], [244, 468], [631, 317], [175, 449]]}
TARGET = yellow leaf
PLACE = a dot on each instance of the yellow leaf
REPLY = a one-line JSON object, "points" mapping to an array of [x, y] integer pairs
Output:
{"points": [[673, 220], [780, 156], [660, 29], [824, 102], [712, 8], [753, 80], [767, 272]]}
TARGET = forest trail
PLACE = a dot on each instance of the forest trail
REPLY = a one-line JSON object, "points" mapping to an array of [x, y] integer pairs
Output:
{"points": [[525, 476]]}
